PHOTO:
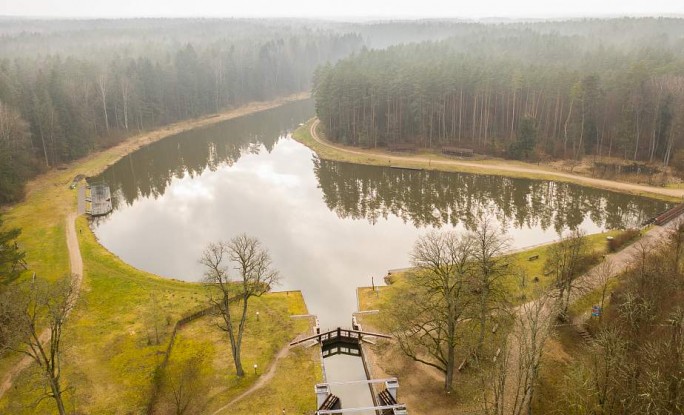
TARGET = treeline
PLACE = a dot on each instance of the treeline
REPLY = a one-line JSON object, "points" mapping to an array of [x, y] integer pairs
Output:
{"points": [[55, 108], [524, 91], [610, 87]]}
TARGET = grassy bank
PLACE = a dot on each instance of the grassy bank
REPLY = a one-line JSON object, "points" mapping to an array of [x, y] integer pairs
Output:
{"points": [[436, 161], [115, 338], [421, 386], [295, 374], [520, 284]]}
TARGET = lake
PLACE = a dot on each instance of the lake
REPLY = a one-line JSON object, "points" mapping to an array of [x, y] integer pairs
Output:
{"points": [[330, 227]]}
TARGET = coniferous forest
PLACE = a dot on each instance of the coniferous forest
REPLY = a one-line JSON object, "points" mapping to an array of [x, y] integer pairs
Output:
{"points": [[70, 87], [523, 91], [526, 90]]}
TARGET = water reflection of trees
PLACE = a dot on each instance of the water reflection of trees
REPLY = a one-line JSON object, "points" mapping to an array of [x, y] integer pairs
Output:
{"points": [[430, 198], [149, 171]]}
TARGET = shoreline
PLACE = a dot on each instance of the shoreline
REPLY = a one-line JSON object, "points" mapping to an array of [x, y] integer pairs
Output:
{"points": [[48, 201], [98, 161], [309, 135]]}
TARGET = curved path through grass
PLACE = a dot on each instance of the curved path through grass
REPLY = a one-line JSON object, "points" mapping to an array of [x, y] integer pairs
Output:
{"points": [[263, 380], [49, 233], [76, 265]]}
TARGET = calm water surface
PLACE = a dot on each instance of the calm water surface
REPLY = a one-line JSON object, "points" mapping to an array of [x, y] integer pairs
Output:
{"points": [[329, 226]]}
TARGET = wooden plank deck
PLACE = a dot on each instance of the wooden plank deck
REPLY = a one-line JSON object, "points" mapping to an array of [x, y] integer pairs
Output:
{"points": [[99, 200]]}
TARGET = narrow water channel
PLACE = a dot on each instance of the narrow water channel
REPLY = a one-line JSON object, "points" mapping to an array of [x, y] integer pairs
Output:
{"points": [[342, 371], [330, 227]]}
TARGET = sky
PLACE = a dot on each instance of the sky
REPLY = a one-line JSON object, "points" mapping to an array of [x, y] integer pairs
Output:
{"points": [[346, 9]]}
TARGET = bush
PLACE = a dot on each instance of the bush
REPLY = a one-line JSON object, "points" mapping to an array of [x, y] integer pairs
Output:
{"points": [[586, 261], [621, 239]]}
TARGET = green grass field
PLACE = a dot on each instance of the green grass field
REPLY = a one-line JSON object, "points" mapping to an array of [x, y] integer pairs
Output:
{"points": [[111, 350], [110, 347]]}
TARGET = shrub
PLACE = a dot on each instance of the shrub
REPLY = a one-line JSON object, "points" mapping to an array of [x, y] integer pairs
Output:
{"points": [[621, 239]]}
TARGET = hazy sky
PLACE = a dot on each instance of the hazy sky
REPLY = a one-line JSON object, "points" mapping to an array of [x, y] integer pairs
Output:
{"points": [[340, 8]]}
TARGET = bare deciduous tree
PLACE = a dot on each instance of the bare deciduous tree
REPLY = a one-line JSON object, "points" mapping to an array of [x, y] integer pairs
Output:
{"points": [[513, 377], [512, 380], [494, 381], [608, 359], [185, 377], [252, 263], [24, 310], [426, 319], [532, 329], [154, 319], [564, 262], [603, 273], [490, 266]]}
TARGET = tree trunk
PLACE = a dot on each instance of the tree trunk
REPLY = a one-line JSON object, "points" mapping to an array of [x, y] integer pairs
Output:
{"points": [[451, 356], [565, 129], [103, 95], [638, 133], [241, 331], [125, 95], [57, 394]]}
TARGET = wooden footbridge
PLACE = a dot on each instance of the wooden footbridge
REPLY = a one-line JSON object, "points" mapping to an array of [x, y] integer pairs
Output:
{"points": [[668, 215], [339, 335]]}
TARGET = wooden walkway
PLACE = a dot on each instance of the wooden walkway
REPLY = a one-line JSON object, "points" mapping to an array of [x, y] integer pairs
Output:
{"points": [[339, 335], [99, 200], [668, 215]]}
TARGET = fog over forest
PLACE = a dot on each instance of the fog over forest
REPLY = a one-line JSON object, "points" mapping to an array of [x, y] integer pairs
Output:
{"points": [[543, 109], [591, 87]]}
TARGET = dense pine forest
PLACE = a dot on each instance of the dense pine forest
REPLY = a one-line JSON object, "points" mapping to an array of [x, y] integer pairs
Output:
{"points": [[525, 91], [70, 87], [520, 89]]}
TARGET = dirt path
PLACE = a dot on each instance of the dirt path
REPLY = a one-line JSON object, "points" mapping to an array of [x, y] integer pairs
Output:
{"points": [[622, 259], [98, 162], [75, 259], [504, 167], [263, 380], [620, 262], [76, 263]]}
